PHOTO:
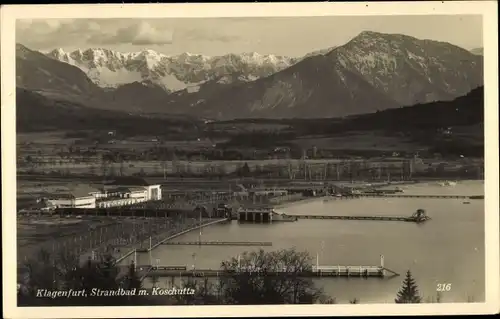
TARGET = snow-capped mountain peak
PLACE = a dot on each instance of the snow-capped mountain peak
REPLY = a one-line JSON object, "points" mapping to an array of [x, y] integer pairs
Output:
{"points": [[109, 68]]}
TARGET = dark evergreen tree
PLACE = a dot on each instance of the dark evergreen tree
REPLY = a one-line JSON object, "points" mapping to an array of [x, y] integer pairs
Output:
{"points": [[409, 291], [245, 170]]}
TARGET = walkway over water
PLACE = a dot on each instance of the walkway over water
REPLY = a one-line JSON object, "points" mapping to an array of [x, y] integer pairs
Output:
{"points": [[321, 271], [220, 243], [417, 217], [420, 196], [381, 218]]}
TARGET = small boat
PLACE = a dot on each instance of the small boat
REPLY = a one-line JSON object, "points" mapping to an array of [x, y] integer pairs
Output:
{"points": [[466, 202]]}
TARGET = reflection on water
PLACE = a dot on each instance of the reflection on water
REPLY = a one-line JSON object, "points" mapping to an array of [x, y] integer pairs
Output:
{"points": [[447, 249]]}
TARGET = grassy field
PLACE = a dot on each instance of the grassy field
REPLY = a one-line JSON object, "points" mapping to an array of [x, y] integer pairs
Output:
{"points": [[36, 232], [174, 167], [246, 126], [53, 232], [359, 141], [44, 138]]}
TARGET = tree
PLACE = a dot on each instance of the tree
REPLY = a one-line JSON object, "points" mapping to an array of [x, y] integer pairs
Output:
{"points": [[122, 168], [221, 170], [205, 293], [28, 159], [409, 291], [64, 271], [243, 171], [104, 167], [154, 280], [132, 280], [271, 278], [141, 172], [156, 170], [326, 300], [112, 171]]}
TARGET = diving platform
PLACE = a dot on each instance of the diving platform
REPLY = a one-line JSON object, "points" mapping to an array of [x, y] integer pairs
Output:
{"points": [[262, 215]]}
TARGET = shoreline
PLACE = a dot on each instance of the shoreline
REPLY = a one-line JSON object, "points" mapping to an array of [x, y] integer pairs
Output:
{"points": [[306, 200], [299, 201]]}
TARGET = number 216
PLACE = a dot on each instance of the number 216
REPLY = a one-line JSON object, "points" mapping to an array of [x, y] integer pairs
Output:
{"points": [[443, 287]]}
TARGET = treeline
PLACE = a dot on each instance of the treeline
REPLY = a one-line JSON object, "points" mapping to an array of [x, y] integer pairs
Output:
{"points": [[464, 110], [35, 112], [423, 121], [64, 272]]}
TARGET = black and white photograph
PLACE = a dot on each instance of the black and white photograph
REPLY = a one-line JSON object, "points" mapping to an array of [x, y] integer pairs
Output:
{"points": [[251, 160]]}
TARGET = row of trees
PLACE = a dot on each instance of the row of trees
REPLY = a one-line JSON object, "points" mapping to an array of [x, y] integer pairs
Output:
{"points": [[64, 271]]}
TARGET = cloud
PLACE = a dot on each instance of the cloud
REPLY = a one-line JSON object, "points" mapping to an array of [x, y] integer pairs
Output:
{"points": [[50, 33], [206, 35], [141, 33]]}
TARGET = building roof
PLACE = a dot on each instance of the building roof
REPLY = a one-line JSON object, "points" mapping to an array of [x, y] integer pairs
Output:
{"points": [[61, 196], [129, 181], [68, 196], [115, 189], [73, 191]]}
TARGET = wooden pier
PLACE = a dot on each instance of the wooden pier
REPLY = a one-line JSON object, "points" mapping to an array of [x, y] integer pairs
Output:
{"points": [[418, 217], [415, 196], [381, 218], [317, 271], [220, 243], [335, 271]]}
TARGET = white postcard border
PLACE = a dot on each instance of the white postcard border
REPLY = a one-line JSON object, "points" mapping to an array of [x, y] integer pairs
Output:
{"points": [[488, 9]]}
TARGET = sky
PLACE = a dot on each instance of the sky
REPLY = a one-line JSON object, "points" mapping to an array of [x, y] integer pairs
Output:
{"points": [[290, 36]]}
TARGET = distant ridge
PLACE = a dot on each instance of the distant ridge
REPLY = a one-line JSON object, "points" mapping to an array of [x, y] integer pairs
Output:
{"points": [[477, 51], [372, 72]]}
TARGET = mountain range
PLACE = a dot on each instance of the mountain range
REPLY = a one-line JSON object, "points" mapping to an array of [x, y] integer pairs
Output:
{"points": [[109, 68], [372, 72], [477, 51]]}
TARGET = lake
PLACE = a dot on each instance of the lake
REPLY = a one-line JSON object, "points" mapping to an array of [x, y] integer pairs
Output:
{"points": [[448, 249]]}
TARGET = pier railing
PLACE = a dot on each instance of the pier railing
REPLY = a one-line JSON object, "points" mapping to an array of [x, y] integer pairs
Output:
{"points": [[220, 243]]}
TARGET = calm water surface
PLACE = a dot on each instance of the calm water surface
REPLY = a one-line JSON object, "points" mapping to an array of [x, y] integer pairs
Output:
{"points": [[447, 249]]}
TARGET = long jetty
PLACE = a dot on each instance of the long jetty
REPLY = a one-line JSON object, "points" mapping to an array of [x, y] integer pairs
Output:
{"points": [[417, 196], [145, 250], [220, 243], [161, 242], [381, 218], [377, 271], [323, 271]]}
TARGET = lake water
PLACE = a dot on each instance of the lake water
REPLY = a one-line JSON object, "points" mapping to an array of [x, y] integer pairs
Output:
{"points": [[449, 249]]}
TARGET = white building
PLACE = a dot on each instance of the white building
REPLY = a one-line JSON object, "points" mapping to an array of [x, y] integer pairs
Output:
{"points": [[135, 183], [122, 191], [127, 191], [71, 201], [121, 196]]}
